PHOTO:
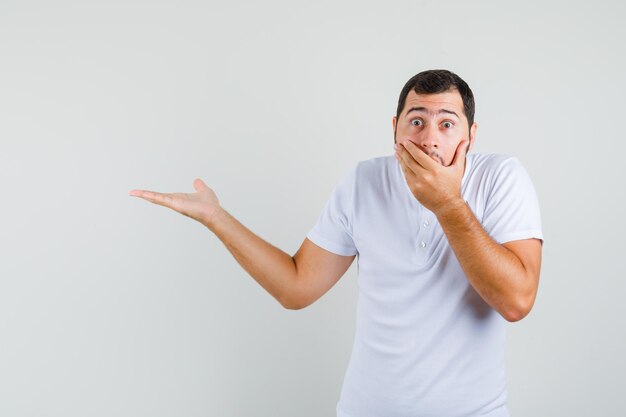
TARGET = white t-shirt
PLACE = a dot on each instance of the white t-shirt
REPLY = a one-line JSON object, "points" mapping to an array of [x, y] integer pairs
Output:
{"points": [[426, 343]]}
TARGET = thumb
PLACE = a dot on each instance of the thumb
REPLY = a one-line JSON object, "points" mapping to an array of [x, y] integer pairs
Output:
{"points": [[199, 185], [461, 152]]}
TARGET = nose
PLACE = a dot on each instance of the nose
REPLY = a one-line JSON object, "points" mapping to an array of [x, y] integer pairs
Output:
{"points": [[430, 138], [429, 143]]}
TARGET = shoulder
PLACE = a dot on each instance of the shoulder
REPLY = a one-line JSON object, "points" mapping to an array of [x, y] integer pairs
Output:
{"points": [[503, 177], [492, 161], [496, 167], [377, 162], [363, 171], [372, 168]]}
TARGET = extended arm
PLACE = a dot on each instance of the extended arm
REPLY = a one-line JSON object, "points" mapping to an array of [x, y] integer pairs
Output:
{"points": [[295, 282], [271, 267]]}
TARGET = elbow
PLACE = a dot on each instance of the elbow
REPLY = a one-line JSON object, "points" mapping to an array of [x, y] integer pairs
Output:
{"points": [[518, 310], [291, 304], [289, 299], [295, 299], [294, 306], [514, 315]]}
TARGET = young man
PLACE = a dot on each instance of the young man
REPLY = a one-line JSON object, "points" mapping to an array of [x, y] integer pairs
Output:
{"points": [[449, 247]]}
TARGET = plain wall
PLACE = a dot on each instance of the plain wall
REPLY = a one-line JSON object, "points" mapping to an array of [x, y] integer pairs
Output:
{"points": [[110, 305]]}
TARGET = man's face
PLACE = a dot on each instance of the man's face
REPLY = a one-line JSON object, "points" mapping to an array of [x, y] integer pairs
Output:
{"points": [[436, 123]]}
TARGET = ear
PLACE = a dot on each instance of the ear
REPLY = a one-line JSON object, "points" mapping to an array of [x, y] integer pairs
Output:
{"points": [[472, 135]]}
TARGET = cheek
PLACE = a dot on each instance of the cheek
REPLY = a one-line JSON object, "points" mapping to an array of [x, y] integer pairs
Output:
{"points": [[410, 131], [453, 134], [450, 149], [404, 129]]}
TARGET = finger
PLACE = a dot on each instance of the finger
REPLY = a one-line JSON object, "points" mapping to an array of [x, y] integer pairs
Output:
{"points": [[412, 164], [460, 154], [404, 159], [199, 185], [419, 156], [154, 197], [402, 164], [408, 173]]}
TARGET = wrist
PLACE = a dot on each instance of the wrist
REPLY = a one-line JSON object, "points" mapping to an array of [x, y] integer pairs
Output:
{"points": [[213, 216], [451, 208]]}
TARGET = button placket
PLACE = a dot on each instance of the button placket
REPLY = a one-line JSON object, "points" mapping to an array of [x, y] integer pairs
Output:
{"points": [[425, 234]]}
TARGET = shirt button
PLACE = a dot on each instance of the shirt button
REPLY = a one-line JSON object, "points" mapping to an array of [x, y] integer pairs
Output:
{"points": [[426, 223], [423, 244]]}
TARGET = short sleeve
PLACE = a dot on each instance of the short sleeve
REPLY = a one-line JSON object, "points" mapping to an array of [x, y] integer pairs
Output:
{"points": [[333, 230], [512, 208]]}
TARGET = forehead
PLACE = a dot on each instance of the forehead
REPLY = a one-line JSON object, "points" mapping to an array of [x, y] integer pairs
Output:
{"points": [[450, 100]]}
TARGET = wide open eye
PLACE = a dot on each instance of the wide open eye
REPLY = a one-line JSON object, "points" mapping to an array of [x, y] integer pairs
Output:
{"points": [[419, 122], [447, 125]]}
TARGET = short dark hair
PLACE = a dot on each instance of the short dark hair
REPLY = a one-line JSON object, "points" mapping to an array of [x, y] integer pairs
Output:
{"points": [[439, 81]]}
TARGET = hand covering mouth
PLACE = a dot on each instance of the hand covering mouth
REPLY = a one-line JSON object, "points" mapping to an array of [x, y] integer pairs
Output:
{"points": [[436, 157]]}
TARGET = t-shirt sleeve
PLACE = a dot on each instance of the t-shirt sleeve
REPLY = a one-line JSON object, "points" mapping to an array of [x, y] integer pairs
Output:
{"points": [[333, 230], [512, 208]]}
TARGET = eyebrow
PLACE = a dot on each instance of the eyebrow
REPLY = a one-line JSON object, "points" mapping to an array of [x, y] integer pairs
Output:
{"points": [[424, 109]]}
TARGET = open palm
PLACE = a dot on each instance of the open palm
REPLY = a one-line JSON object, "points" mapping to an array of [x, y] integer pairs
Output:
{"points": [[201, 205]]}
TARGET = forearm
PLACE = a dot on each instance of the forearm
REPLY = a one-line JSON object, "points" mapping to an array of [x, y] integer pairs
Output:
{"points": [[272, 268], [496, 273]]}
